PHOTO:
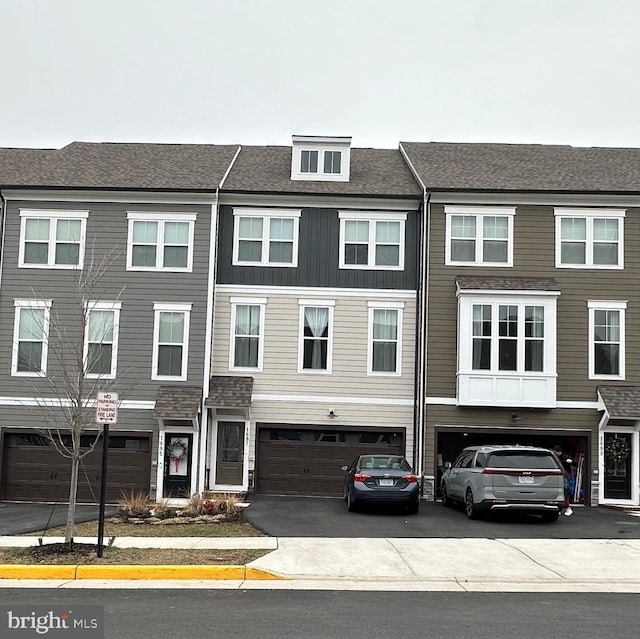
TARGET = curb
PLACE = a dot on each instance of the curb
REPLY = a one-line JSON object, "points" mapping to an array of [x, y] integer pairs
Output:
{"points": [[136, 571]]}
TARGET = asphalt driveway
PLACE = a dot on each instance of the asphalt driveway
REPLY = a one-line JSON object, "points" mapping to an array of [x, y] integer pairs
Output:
{"points": [[328, 517]]}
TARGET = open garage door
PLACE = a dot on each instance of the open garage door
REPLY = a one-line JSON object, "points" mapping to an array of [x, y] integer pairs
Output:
{"points": [[34, 471], [296, 460]]}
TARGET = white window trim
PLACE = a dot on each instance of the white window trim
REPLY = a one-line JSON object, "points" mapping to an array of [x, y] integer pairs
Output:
{"points": [[20, 304], [267, 215], [303, 143], [372, 217], [479, 212], [606, 305], [247, 301], [160, 307], [590, 215], [310, 303], [161, 218], [104, 306], [53, 216], [374, 306]]}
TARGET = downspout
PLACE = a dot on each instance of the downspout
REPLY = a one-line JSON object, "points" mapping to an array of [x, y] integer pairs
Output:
{"points": [[208, 345], [3, 222], [420, 372]]}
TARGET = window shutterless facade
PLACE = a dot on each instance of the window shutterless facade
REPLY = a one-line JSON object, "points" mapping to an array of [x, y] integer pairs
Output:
{"points": [[507, 349], [384, 355], [101, 339], [30, 338], [52, 239], [316, 336], [589, 238], [265, 237], [320, 158], [606, 339], [479, 236], [170, 341], [371, 240], [160, 241], [247, 333]]}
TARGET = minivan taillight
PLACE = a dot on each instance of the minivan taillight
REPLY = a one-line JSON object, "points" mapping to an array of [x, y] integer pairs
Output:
{"points": [[361, 477], [411, 479]]}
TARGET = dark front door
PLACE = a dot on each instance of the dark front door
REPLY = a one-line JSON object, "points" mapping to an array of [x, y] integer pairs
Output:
{"points": [[617, 465], [229, 461], [177, 465]]}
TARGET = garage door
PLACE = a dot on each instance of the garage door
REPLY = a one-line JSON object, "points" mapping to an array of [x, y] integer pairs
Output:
{"points": [[34, 471], [307, 461]]}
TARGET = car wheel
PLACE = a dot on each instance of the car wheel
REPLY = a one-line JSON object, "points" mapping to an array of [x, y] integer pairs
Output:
{"points": [[469, 507], [550, 517], [413, 507], [351, 503], [446, 500]]}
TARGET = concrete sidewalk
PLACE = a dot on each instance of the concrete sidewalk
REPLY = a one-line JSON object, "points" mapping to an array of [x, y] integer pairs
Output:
{"points": [[591, 565]]}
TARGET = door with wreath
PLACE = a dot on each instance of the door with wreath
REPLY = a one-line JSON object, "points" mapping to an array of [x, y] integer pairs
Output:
{"points": [[617, 465], [177, 465]]}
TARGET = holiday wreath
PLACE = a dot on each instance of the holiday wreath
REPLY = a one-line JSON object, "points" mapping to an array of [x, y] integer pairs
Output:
{"points": [[616, 449], [177, 450]]}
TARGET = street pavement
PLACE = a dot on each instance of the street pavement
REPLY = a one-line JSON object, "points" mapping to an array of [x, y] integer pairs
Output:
{"points": [[510, 561]]}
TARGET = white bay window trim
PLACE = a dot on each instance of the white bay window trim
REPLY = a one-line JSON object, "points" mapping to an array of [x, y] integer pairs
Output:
{"points": [[182, 309], [108, 307], [261, 304], [42, 327], [160, 242], [268, 216], [618, 308], [397, 309], [479, 213], [328, 306], [589, 216], [511, 388]]}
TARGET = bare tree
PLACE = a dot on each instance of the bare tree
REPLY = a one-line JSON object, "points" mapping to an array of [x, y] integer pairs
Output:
{"points": [[82, 331]]}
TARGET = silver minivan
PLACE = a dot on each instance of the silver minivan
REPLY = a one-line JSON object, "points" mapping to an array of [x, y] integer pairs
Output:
{"points": [[505, 477]]}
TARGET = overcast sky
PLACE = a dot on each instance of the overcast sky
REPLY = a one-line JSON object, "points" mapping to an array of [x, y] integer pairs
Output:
{"points": [[258, 71]]}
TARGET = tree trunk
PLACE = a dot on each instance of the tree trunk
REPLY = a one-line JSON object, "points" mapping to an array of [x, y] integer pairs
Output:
{"points": [[73, 490]]}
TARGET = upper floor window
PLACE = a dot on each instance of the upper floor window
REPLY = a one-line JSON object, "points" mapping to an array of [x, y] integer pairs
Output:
{"points": [[247, 333], [101, 339], [265, 237], [372, 240], [316, 335], [52, 239], [385, 338], [478, 235], [170, 341], [30, 337], [589, 238], [606, 339], [308, 161], [160, 241], [320, 158]]}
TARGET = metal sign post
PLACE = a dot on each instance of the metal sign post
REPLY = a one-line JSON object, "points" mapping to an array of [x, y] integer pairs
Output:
{"points": [[106, 413]]}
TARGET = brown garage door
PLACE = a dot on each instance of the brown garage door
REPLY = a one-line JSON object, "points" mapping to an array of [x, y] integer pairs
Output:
{"points": [[307, 461], [34, 471]]}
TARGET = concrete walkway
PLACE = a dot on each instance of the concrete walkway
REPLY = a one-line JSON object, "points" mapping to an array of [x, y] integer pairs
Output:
{"points": [[590, 565]]}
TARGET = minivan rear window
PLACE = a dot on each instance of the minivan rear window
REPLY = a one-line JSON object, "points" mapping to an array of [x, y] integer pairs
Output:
{"points": [[532, 461]]}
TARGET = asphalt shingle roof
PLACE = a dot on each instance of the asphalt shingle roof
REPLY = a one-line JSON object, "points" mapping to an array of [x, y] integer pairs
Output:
{"points": [[507, 283], [178, 402], [229, 391], [622, 402], [525, 167]]}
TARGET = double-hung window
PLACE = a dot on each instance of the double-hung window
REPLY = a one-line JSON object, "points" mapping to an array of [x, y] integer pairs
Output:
{"points": [[589, 238], [52, 239], [247, 333], [479, 235], [372, 240], [385, 338], [170, 341], [30, 337], [101, 339], [265, 237], [606, 339], [160, 241], [316, 335]]}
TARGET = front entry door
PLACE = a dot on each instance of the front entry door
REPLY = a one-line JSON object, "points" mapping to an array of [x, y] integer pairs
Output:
{"points": [[177, 465], [230, 455], [617, 465]]}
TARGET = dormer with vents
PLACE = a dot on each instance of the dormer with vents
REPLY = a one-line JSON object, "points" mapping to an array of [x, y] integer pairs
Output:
{"points": [[319, 158]]}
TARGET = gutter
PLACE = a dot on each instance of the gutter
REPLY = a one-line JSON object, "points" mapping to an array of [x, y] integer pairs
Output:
{"points": [[422, 324], [208, 345]]}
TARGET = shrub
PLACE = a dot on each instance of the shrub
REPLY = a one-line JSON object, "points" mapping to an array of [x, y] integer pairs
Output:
{"points": [[135, 504], [162, 510]]}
